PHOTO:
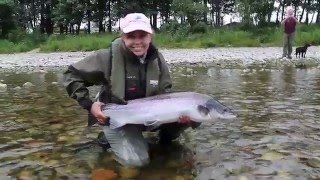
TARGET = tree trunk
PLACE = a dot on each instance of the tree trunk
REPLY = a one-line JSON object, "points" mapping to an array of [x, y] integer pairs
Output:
{"points": [[101, 28], [109, 16], [67, 29], [166, 11], [89, 27], [182, 19], [49, 26], [71, 30], [318, 17], [312, 17], [277, 18], [154, 21], [212, 13], [88, 16], [282, 13], [218, 18], [270, 13], [318, 12], [42, 19], [154, 15], [247, 12], [48, 22], [307, 12], [303, 8], [205, 19], [101, 9], [78, 28], [215, 5], [61, 28], [33, 10]]}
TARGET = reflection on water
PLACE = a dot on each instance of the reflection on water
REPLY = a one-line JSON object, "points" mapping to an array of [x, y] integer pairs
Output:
{"points": [[43, 132]]}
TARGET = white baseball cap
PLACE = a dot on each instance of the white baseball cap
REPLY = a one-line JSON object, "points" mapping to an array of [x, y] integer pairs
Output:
{"points": [[135, 21], [290, 11]]}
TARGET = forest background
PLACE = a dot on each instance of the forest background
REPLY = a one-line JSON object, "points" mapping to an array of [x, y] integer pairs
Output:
{"points": [[85, 25]]}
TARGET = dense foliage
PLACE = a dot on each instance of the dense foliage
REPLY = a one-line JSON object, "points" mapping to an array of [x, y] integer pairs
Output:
{"points": [[30, 23]]}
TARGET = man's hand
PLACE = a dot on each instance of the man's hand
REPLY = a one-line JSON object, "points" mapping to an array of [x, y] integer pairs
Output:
{"points": [[185, 120], [97, 113]]}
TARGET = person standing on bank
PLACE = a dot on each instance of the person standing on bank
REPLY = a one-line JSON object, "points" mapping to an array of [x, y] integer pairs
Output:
{"points": [[130, 68], [289, 28]]}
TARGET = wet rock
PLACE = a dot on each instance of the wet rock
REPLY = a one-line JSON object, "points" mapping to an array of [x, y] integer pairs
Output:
{"points": [[3, 87], [271, 156], [205, 156], [314, 162], [128, 173], [265, 171], [18, 88], [212, 173], [43, 71], [26, 175], [172, 164], [179, 178], [27, 85], [63, 138], [103, 174]]}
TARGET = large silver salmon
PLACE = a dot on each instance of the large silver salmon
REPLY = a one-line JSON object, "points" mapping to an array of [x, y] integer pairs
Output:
{"points": [[166, 108]]}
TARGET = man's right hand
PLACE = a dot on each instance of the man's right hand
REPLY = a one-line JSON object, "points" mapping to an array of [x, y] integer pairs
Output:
{"points": [[97, 113]]}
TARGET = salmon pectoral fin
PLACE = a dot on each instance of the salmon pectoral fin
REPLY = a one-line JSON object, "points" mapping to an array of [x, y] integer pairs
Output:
{"points": [[152, 123]]}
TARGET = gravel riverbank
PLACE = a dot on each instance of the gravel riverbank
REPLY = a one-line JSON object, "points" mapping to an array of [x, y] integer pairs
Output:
{"points": [[226, 57]]}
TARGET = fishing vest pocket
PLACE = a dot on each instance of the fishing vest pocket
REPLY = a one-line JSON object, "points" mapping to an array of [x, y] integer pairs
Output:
{"points": [[133, 89]]}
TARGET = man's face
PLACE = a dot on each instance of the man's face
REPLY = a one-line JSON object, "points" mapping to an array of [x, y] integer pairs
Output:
{"points": [[137, 41]]}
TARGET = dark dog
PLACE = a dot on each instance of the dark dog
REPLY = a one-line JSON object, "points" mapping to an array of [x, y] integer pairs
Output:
{"points": [[302, 50]]}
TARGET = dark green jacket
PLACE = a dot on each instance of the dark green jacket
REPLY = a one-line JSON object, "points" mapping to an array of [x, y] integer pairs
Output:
{"points": [[120, 73]]}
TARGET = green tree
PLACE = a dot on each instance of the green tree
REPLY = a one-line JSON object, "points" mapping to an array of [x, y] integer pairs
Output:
{"points": [[219, 7], [7, 22], [189, 11], [262, 10], [245, 9], [69, 13]]}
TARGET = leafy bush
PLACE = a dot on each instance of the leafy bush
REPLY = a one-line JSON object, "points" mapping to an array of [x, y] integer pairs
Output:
{"points": [[200, 27], [307, 28], [176, 29], [20, 35], [78, 43]]}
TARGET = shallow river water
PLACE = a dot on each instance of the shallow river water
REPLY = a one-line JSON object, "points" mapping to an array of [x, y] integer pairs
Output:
{"points": [[43, 133]]}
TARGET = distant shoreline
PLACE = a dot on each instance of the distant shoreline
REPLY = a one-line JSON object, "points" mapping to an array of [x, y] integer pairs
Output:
{"points": [[224, 57]]}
